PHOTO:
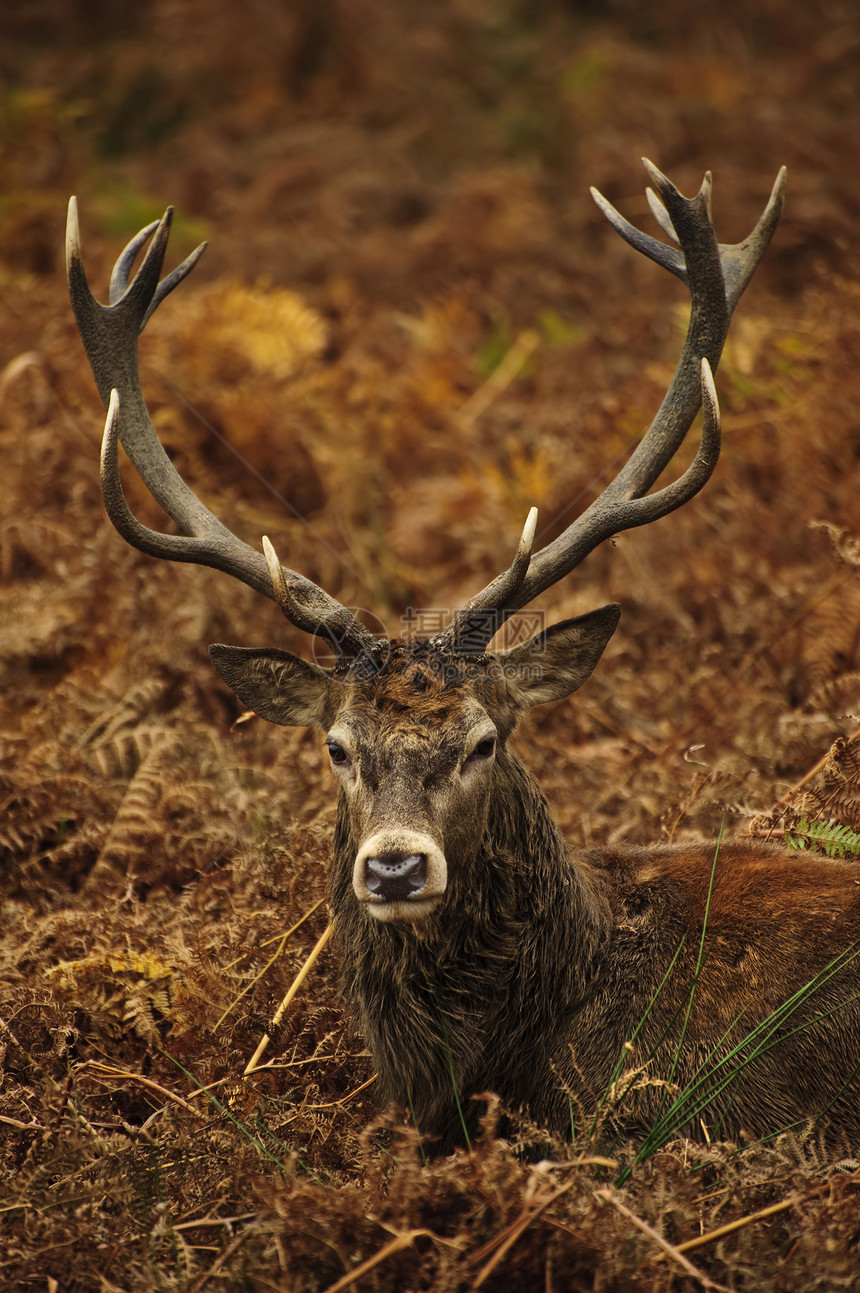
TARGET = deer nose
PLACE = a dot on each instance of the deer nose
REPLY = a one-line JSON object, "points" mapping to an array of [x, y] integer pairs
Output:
{"points": [[395, 876]]}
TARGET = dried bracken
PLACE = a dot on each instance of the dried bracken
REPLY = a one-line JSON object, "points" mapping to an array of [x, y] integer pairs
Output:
{"points": [[417, 188]]}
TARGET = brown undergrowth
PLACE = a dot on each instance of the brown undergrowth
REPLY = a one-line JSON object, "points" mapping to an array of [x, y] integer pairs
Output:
{"points": [[411, 327]]}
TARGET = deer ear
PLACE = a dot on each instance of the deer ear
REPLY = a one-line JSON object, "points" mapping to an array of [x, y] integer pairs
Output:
{"points": [[278, 686], [558, 661]]}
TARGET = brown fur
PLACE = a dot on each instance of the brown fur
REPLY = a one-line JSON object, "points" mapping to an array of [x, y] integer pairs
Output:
{"points": [[538, 964]]}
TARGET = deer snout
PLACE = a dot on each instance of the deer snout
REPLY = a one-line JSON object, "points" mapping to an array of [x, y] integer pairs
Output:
{"points": [[399, 875], [394, 876]]}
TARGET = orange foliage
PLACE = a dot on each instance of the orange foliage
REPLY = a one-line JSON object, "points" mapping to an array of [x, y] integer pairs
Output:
{"points": [[395, 197]]}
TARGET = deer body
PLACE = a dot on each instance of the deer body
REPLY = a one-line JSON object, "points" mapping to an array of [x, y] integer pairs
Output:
{"points": [[479, 952], [537, 998], [537, 964]]}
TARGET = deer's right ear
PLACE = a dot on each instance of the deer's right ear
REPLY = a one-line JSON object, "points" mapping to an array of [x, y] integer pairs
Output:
{"points": [[280, 687]]}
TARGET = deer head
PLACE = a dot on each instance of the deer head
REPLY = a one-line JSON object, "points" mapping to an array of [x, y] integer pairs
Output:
{"points": [[413, 733]]}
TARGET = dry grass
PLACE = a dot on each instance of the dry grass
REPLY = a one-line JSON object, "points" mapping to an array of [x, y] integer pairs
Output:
{"points": [[405, 202]]}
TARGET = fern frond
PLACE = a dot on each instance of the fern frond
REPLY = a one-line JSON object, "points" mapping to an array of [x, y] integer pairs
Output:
{"points": [[824, 837], [843, 763], [131, 831]]}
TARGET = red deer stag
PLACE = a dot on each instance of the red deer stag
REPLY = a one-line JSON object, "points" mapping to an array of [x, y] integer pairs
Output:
{"points": [[480, 952]]}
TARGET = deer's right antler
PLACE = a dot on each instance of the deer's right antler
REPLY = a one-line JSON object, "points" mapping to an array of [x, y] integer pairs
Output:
{"points": [[110, 336]]}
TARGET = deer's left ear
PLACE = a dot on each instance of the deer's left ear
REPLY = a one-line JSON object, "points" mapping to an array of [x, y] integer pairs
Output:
{"points": [[558, 661]]}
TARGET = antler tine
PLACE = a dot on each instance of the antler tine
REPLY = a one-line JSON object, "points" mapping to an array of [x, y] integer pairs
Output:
{"points": [[335, 622], [716, 275], [110, 337], [475, 623], [120, 271], [119, 276], [741, 260]]}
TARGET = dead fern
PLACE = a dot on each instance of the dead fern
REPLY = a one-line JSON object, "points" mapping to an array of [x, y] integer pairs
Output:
{"points": [[120, 989], [123, 733], [354, 161], [832, 642], [123, 854], [822, 812]]}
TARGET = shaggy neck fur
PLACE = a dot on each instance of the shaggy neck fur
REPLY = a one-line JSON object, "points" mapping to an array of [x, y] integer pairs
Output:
{"points": [[456, 1005]]}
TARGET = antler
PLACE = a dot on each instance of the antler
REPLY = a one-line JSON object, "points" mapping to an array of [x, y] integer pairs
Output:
{"points": [[716, 275], [110, 336]]}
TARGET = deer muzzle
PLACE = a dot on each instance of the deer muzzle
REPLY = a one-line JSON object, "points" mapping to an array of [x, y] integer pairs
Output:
{"points": [[399, 875]]}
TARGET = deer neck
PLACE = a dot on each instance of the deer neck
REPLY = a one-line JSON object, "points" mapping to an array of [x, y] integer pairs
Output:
{"points": [[451, 1005]]}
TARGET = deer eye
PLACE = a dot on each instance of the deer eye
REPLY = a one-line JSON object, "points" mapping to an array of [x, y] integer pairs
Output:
{"points": [[483, 750], [338, 753]]}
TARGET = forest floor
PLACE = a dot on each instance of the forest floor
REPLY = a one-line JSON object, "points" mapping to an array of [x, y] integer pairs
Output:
{"points": [[411, 324]]}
